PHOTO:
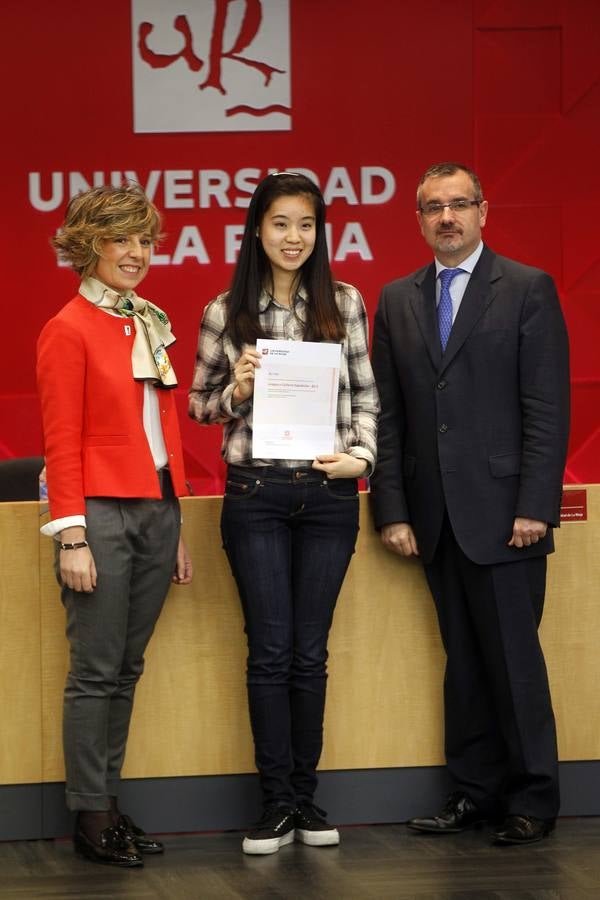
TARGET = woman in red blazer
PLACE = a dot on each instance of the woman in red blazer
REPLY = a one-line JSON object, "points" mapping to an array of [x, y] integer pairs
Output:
{"points": [[114, 470]]}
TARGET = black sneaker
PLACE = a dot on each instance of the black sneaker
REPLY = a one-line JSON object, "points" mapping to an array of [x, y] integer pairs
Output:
{"points": [[274, 830], [313, 828]]}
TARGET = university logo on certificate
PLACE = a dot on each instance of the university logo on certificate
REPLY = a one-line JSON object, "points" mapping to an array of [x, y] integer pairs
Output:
{"points": [[295, 399]]}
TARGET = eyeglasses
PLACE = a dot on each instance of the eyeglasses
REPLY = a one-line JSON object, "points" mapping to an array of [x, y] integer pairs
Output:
{"points": [[458, 206]]}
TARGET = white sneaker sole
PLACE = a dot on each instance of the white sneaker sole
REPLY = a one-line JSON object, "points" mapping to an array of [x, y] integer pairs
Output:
{"points": [[267, 845], [318, 838]]}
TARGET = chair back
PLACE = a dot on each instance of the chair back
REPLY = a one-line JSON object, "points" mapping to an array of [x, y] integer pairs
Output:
{"points": [[19, 478]]}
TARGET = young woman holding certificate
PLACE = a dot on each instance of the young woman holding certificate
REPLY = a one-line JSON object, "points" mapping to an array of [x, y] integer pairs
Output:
{"points": [[289, 526]]}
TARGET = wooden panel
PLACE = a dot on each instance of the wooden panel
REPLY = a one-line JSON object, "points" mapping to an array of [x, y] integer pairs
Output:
{"points": [[386, 660], [54, 664], [191, 714], [20, 690], [570, 633]]}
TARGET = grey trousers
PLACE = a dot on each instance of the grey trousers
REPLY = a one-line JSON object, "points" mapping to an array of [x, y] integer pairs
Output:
{"points": [[134, 544]]}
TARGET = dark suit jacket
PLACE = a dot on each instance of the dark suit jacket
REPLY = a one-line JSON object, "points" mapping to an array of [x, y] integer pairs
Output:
{"points": [[482, 429]]}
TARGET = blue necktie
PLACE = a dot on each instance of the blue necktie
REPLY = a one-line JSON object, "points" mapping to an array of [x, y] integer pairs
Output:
{"points": [[444, 310]]}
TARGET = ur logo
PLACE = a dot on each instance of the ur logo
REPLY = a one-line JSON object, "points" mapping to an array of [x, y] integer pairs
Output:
{"points": [[211, 65]]}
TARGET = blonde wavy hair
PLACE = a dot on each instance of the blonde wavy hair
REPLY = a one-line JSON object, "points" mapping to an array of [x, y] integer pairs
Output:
{"points": [[101, 214]]}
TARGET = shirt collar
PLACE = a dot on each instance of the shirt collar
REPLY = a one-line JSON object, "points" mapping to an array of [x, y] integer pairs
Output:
{"points": [[266, 298], [93, 290], [467, 264]]}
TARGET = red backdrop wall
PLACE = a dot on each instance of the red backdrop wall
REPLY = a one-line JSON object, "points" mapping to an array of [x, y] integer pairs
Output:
{"points": [[511, 88]]}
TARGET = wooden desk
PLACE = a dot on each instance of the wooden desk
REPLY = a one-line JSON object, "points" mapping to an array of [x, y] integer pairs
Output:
{"points": [[386, 661]]}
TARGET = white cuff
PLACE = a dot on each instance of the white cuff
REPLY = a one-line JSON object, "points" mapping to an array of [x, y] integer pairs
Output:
{"points": [[53, 528]]}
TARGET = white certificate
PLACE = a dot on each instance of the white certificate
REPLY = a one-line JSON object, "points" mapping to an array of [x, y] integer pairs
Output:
{"points": [[295, 399]]}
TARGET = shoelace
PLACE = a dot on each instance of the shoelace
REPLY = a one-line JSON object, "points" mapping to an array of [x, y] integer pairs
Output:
{"points": [[270, 814], [113, 839], [312, 807]]}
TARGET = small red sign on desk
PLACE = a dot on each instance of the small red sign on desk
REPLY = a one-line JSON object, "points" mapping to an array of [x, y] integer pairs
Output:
{"points": [[573, 507]]}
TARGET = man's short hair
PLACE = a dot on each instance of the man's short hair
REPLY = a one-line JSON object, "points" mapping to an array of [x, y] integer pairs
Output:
{"points": [[443, 169]]}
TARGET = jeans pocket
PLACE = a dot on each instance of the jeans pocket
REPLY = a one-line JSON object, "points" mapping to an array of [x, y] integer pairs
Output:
{"points": [[342, 488], [239, 488]]}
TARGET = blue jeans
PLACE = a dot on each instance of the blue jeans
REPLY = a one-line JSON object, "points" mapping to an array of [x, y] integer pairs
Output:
{"points": [[289, 535]]}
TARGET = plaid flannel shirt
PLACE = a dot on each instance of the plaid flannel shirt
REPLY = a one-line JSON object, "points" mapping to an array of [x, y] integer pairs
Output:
{"points": [[212, 388]]}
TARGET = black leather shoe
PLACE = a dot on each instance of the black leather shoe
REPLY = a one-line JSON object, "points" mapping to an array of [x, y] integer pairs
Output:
{"points": [[522, 830], [458, 813], [110, 848], [142, 841]]}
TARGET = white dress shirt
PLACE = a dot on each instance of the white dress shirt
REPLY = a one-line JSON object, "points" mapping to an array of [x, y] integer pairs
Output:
{"points": [[459, 283]]}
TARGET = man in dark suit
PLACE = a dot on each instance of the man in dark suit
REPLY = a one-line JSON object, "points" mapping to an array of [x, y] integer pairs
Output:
{"points": [[471, 359]]}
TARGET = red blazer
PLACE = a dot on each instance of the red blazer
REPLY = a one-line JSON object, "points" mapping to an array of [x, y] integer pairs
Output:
{"points": [[92, 412]]}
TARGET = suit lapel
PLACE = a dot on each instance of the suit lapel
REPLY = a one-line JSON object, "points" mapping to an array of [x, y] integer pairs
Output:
{"points": [[480, 292], [423, 307]]}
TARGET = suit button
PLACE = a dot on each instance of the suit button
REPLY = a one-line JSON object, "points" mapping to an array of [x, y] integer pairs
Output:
{"points": [[441, 385], [443, 428]]}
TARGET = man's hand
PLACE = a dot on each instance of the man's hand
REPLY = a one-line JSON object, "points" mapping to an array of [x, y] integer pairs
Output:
{"points": [[400, 538], [527, 532], [183, 566]]}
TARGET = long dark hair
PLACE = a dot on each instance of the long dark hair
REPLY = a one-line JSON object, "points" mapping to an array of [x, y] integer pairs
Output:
{"points": [[253, 270]]}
